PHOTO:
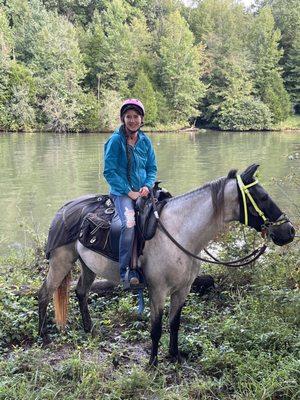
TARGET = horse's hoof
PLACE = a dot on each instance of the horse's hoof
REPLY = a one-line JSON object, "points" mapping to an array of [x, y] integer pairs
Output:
{"points": [[153, 362], [46, 340], [175, 358], [87, 327]]}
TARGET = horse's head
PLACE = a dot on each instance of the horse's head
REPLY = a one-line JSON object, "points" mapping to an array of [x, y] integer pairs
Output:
{"points": [[259, 211]]}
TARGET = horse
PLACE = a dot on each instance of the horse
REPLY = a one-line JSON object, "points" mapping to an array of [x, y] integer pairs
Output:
{"points": [[193, 219]]}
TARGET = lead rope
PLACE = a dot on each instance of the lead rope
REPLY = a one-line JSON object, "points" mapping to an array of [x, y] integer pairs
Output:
{"points": [[232, 264]]}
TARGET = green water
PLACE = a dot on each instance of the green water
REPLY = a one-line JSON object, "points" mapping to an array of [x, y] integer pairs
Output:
{"points": [[39, 172]]}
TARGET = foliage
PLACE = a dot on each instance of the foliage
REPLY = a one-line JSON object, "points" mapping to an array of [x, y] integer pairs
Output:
{"points": [[88, 116], [292, 72], [291, 123], [196, 60], [287, 17], [109, 48], [26, 19], [243, 114], [240, 340], [144, 91], [178, 67], [268, 83], [110, 103], [6, 39]]}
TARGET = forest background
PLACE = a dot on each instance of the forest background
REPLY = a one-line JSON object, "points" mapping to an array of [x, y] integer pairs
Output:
{"points": [[66, 65]]}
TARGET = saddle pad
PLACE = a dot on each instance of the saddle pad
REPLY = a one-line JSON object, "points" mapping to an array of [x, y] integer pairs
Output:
{"points": [[67, 221]]}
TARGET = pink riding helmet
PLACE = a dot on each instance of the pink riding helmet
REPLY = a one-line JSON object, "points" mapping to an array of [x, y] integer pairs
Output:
{"points": [[132, 104]]}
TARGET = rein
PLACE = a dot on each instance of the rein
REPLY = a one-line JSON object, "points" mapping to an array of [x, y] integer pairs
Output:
{"points": [[233, 264], [241, 261]]}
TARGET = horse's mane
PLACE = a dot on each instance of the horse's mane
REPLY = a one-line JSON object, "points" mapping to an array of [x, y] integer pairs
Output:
{"points": [[216, 187]]}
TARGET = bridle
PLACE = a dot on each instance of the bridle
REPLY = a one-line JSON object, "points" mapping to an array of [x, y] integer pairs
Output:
{"points": [[245, 193]]}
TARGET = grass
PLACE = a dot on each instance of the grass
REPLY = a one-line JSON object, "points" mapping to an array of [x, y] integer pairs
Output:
{"points": [[240, 341]]}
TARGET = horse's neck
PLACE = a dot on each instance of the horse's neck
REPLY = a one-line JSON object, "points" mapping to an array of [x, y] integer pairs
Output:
{"points": [[192, 219]]}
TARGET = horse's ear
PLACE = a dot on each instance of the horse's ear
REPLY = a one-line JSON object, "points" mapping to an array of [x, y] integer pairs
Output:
{"points": [[232, 174], [248, 175]]}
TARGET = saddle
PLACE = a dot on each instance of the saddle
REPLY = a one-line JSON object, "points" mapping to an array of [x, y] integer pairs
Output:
{"points": [[100, 229]]}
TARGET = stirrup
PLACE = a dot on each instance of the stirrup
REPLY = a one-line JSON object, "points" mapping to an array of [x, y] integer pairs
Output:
{"points": [[133, 283]]}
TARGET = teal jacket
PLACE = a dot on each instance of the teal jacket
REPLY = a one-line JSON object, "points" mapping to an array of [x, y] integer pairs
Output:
{"points": [[143, 163]]}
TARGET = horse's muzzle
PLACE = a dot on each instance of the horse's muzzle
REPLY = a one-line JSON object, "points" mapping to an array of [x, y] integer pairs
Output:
{"points": [[282, 234]]}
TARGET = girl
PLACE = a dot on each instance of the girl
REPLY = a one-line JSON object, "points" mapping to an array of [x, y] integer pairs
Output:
{"points": [[130, 170]]}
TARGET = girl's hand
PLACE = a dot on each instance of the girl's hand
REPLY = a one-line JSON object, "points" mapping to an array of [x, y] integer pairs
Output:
{"points": [[134, 195], [144, 191]]}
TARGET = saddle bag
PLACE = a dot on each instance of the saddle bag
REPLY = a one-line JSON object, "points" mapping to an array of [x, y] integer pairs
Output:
{"points": [[94, 232]]}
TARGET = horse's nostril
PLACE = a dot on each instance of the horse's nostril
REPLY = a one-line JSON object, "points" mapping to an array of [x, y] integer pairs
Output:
{"points": [[293, 231]]}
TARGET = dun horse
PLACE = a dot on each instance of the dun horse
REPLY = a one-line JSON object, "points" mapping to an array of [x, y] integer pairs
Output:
{"points": [[193, 219]]}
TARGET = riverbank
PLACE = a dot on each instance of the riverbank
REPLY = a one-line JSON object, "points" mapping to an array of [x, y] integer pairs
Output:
{"points": [[290, 124], [239, 340]]}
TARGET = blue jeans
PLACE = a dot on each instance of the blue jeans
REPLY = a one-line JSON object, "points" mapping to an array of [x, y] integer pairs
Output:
{"points": [[125, 208]]}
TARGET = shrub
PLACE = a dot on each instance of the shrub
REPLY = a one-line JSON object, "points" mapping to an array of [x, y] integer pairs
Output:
{"points": [[243, 115], [110, 103]]}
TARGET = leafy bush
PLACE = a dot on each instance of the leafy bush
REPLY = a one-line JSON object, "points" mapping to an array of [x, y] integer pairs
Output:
{"points": [[243, 115], [88, 118], [110, 103]]}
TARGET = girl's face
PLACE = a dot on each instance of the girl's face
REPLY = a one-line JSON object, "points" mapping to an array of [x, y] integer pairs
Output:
{"points": [[133, 120]]}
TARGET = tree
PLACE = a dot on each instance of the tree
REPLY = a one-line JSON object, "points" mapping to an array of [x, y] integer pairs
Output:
{"points": [[227, 76], [110, 103], [22, 98], [221, 25], [156, 11], [287, 18], [6, 39], [6, 46], [178, 67], [141, 52], [58, 67], [292, 72], [26, 19], [225, 19], [108, 48], [265, 53], [144, 91]]}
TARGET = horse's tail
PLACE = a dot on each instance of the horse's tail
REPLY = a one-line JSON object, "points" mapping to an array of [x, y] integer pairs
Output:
{"points": [[61, 299]]}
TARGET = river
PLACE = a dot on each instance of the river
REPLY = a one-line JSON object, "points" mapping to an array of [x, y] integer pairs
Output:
{"points": [[41, 171]]}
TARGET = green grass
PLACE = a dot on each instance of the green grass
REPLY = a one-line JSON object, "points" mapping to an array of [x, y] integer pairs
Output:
{"points": [[240, 341]]}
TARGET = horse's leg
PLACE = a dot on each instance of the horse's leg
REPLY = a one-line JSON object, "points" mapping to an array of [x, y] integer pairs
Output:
{"points": [[157, 301], [60, 264], [176, 305], [84, 284]]}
